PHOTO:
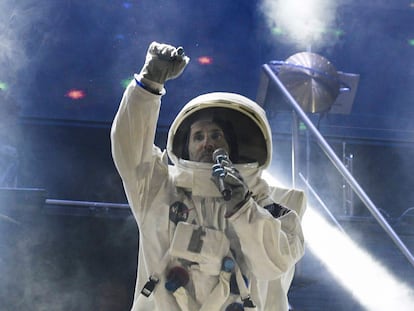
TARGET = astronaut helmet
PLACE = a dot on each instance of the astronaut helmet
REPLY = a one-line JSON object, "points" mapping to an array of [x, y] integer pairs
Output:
{"points": [[244, 123]]}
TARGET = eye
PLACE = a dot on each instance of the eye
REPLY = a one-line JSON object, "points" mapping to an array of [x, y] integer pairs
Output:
{"points": [[216, 135], [198, 137]]}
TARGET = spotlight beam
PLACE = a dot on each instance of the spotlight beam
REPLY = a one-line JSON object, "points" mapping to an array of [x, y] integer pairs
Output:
{"points": [[339, 165], [364, 277], [370, 283]]}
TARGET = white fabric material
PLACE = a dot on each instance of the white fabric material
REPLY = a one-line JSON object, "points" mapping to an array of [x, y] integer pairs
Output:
{"points": [[266, 248], [214, 246]]}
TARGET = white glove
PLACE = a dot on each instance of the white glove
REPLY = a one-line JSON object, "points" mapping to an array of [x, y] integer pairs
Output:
{"points": [[163, 62]]}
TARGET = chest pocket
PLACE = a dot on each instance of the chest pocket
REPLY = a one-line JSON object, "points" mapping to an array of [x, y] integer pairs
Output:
{"points": [[204, 246]]}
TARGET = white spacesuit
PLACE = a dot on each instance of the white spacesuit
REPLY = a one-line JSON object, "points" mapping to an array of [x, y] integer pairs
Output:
{"points": [[198, 251]]}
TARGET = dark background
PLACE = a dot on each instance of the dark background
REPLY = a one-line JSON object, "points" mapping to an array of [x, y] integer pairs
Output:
{"points": [[52, 47], [61, 145]]}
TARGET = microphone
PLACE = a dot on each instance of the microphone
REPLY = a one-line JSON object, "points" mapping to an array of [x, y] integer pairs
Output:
{"points": [[221, 159], [180, 51]]}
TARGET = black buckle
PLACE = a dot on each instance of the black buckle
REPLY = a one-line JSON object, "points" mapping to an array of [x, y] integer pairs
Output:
{"points": [[248, 303], [149, 286]]}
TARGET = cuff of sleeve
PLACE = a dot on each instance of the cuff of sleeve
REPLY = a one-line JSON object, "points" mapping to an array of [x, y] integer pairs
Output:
{"points": [[150, 86]]}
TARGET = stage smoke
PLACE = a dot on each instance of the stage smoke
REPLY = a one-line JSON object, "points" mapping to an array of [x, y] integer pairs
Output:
{"points": [[302, 23]]}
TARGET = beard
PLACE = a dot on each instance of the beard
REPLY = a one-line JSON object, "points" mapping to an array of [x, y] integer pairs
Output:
{"points": [[206, 157]]}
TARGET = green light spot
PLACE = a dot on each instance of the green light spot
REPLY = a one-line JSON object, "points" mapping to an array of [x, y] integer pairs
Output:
{"points": [[277, 31], [339, 32], [411, 42], [3, 86], [125, 82], [302, 126], [335, 32]]}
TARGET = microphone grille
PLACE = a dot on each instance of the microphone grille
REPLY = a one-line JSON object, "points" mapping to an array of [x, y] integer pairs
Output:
{"points": [[220, 152]]}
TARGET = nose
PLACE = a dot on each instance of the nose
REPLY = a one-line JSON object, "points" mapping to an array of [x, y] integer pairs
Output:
{"points": [[208, 143]]}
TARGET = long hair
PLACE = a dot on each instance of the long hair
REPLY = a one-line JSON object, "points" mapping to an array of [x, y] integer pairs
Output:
{"points": [[214, 115]]}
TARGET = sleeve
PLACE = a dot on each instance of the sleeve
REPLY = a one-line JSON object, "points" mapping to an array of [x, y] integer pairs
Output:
{"points": [[133, 130], [271, 241], [141, 165]]}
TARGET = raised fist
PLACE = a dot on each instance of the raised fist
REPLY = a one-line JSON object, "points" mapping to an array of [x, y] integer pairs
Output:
{"points": [[163, 62]]}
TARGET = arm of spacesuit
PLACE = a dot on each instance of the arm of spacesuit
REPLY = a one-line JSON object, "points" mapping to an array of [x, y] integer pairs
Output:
{"points": [[133, 129], [270, 245], [270, 234]]}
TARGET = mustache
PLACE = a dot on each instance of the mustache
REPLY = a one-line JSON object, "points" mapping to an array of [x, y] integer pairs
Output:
{"points": [[206, 156]]}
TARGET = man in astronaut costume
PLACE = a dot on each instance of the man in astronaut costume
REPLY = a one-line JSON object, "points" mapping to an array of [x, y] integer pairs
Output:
{"points": [[200, 249]]}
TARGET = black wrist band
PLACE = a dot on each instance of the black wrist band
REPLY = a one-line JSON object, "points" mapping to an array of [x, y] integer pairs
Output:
{"points": [[145, 87]]}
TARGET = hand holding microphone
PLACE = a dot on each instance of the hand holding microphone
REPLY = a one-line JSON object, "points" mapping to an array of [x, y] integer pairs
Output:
{"points": [[229, 182], [221, 160]]}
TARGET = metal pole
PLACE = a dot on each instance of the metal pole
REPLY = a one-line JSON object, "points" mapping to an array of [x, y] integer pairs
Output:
{"points": [[344, 185], [340, 166], [89, 204], [320, 201], [295, 148]]}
